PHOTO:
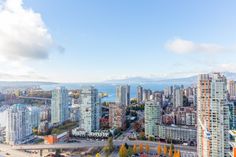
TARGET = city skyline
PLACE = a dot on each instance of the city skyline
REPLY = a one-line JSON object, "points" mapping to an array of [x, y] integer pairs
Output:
{"points": [[87, 41]]}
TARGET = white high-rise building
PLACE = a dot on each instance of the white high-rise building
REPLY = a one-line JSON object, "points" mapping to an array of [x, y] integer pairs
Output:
{"points": [[152, 117], [178, 97], [90, 109], [123, 94], [213, 116], [34, 116], [59, 105], [3, 116], [18, 124]]}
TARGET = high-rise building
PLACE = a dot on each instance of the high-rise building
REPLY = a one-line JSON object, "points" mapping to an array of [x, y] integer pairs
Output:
{"points": [[3, 116], [168, 91], [147, 94], [231, 86], [18, 124], [178, 95], [195, 97], [123, 94], [213, 116], [152, 117], [232, 115], [34, 113], [232, 143], [59, 105], [117, 116], [90, 109], [139, 94]]}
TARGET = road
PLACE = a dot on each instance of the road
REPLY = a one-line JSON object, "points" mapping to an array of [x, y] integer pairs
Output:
{"points": [[4, 149], [85, 143]]}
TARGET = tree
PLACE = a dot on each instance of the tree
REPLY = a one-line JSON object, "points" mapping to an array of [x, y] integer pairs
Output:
{"points": [[175, 153], [165, 150], [147, 148], [123, 151], [110, 144], [98, 155], [151, 138], [142, 135], [109, 147], [136, 126], [172, 146], [106, 151], [170, 152], [178, 154], [134, 149], [159, 150], [130, 151], [141, 148]]}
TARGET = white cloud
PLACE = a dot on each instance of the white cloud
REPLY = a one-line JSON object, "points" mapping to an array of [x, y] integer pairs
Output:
{"points": [[23, 38], [23, 33], [182, 46]]}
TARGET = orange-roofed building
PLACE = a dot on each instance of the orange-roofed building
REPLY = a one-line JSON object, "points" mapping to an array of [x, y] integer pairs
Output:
{"points": [[50, 139]]}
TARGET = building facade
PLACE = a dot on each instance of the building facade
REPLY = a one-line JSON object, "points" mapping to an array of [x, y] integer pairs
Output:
{"points": [[34, 116], [117, 116], [147, 93], [213, 116], [231, 86], [59, 105], [18, 124], [232, 115], [152, 117], [139, 94], [123, 94], [178, 97], [90, 109], [177, 133]]}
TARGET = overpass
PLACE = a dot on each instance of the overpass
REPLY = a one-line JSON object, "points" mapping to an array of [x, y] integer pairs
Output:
{"points": [[93, 143], [7, 150], [36, 98]]}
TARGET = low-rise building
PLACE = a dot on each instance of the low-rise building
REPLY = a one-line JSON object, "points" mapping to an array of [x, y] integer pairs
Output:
{"points": [[178, 133], [185, 116]]}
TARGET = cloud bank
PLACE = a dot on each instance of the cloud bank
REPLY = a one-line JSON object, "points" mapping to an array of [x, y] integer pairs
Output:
{"points": [[23, 33], [23, 38], [181, 46]]}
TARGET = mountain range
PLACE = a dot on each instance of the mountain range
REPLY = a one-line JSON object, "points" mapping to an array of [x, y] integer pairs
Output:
{"points": [[184, 80], [131, 80]]}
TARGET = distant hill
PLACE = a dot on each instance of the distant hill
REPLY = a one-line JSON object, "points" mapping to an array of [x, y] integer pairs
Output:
{"points": [[184, 80]]}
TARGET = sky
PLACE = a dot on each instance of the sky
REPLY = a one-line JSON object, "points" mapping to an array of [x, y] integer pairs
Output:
{"points": [[93, 41]]}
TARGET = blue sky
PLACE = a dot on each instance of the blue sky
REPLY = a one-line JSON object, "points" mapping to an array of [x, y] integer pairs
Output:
{"points": [[116, 39]]}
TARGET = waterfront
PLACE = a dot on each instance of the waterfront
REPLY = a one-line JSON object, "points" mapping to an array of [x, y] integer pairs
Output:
{"points": [[110, 89]]}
